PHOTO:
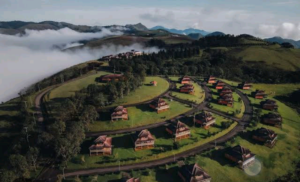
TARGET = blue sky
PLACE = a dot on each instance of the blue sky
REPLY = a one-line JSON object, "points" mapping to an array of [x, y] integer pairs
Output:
{"points": [[263, 18]]}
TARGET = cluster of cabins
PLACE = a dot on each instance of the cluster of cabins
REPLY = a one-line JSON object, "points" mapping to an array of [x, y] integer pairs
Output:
{"points": [[125, 55]]}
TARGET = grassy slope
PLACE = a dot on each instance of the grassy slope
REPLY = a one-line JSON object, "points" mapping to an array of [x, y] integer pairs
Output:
{"points": [[198, 96]]}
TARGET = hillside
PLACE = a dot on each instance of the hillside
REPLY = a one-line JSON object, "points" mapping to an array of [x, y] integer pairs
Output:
{"points": [[183, 32], [280, 40]]}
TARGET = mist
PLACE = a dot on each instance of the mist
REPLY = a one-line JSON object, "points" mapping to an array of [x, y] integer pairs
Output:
{"points": [[25, 60]]}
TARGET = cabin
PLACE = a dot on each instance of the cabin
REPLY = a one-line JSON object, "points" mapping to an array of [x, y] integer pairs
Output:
{"points": [[241, 156], [120, 113], [269, 105], [226, 99], [186, 80], [273, 119], [143, 140], [219, 85], [160, 105], [266, 136], [245, 86], [153, 83], [211, 80], [193, 173], [106, 58], [205, 119], [259, 94], [112, 77], [225, 90], [187, 88], [102, 146], [179, 130]]}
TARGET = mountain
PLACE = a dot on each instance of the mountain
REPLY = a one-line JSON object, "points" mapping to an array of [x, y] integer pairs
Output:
{"points": [[216, 34], [139, 27], [195, 36], [280, 40], [184, 32]]}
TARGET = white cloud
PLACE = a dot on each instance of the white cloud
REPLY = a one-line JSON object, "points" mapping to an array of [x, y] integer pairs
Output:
{"points": [[285, 30]]}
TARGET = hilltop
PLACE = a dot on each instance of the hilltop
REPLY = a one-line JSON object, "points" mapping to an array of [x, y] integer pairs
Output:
{"points": [[183, 32], [280, 40]]}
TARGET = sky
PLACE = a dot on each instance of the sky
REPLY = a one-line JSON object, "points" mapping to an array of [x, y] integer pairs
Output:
{"points": [[262, 18]]}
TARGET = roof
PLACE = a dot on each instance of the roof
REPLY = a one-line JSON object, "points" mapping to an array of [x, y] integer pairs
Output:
{"points": [[158, 101], [205, 116], [178, 127], [153, 82], [265, 133], [271, 102], [240, 153], [133, 180], [144, 135], [120, 110], [102, 142], [193, 173], [185, 78], [271, 115]]}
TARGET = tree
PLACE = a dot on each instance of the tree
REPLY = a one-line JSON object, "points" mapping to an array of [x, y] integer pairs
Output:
{"points": [[88, 115], [19, 165], [32, 156], [7, 176]]}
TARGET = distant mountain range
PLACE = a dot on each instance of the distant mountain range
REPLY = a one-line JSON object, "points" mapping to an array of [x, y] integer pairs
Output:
{"points": [[183, 32], [281, 40]]}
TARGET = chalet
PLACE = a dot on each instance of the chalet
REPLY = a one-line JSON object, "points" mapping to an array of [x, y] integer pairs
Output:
{"points": [[120, 113], [143, 140], [102, 146], [112, 77], [225, 90], [273, 119], [186, 80], [245, 86], [179, 130], [124, 55], [187, 88], [193, 173], [259, 94], [226, 99], [269, 105], [160, 105], [240, 155], [205, 119], [219, 85], [211, 79], [153, 83], [267, 136]]}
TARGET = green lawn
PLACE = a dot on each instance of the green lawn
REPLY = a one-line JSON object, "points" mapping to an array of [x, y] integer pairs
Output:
{"points": [[198, 97], [138, 116]]}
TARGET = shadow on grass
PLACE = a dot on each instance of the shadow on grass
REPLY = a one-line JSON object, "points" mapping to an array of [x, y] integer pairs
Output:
{"points": [[163, 175], [123, 141], [145, 108], [219, 156], [248, 137], [160, 132]]}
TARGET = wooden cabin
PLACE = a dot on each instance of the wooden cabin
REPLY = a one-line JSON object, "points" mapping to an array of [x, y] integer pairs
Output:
{"points": [[186, 80], [205, 119], [245, 86], [193, 173], [225, 90], [266, 136], [259, 94], [179, 130], [112, 77], [273, 119], [211, 80], [187, 88], [143, 140], [226, 99], [269, 105], [102, 146], [160, 105], [153, 83], [241, 156], [120, 113], [219, 85]]}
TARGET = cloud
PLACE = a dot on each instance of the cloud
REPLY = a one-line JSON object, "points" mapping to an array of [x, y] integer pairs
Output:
{"points": [[159, 17], [24, 63], [285, 30]]}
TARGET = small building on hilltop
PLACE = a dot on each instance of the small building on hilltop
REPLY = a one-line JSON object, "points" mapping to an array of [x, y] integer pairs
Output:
{"points": [[102, 146], [179, 130], [112, 77], [241, 156], [120, 113], [273, 119], [160, 105], [153, 83], [211, 80], [205, 119], [143, 140], [245, 86], [226, 99], [186, 80], [259, 94], [225, 90], [266, 136], [187, 88], [193, 173], [219, 85], [269, 104]]}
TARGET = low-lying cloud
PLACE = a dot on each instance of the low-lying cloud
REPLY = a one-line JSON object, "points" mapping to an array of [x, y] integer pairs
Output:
{"points": [[285, 30], [28, 59]]}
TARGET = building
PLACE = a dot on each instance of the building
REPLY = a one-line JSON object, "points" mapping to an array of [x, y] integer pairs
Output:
{"points": [[153, 83], [193, 173], [160, 105], [102, 146], [269, 105], [241, 156], [219, 85], [112, 77], [124, 55], [205, 119], [132, 180], [273, 119], [211, 80], [259, 94], [226, 99], [245, 86], [120, 113], [179, 130], [225, 90], [266, 136], [187, 88], [143, 140], [186, 80]]}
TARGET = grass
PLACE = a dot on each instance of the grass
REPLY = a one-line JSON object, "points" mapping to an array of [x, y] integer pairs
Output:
{"points": [[198, 97], [138, 116]]}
